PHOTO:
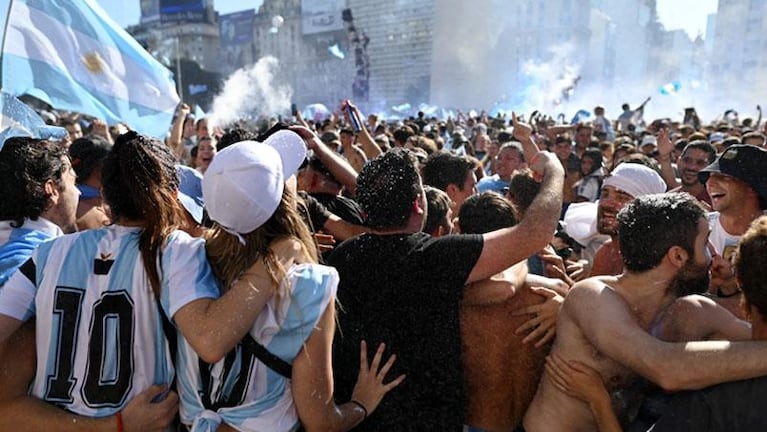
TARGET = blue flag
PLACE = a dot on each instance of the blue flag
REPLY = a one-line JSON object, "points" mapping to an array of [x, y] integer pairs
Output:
{"points": [[74, 57]]}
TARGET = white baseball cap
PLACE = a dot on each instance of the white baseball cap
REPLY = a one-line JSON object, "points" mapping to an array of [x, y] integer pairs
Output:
{"points": [[243, 185]]}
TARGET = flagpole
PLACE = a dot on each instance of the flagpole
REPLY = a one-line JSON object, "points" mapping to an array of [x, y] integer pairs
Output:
{"points": [[178, 73], [5, 33]]}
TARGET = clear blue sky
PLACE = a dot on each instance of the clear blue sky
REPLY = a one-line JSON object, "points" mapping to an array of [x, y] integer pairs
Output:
{"points": [[689, 15]]}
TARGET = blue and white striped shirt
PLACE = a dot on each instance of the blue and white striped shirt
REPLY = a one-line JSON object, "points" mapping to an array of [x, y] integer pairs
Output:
{"points": [[100, 339], [17, 244], [248, 395]]}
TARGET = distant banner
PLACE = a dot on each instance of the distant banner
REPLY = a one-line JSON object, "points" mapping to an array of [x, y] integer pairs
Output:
{"points": [[318, 16], [182, 10], [236, 28]]}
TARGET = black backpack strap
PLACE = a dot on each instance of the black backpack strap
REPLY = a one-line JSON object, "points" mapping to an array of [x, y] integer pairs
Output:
{"points": [[270, 360], [170, 332]]}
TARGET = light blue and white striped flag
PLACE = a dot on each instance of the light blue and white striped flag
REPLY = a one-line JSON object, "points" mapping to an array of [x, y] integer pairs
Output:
{"points": [[71, 55], [17, 119]]}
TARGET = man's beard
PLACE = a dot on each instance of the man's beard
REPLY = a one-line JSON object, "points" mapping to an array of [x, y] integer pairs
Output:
{"points": [[604, 227], [691, 279]]}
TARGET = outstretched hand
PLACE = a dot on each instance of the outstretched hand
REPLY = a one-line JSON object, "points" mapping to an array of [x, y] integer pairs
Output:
{"points": [[370, 388], [143, 415], [544, 321]]}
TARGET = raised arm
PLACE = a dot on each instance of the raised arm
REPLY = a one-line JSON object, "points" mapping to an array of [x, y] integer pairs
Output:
{"points": [[176, 141], [609, 325], [665, 149], [523, 132], [553, 131], [367, 143], [338, 166], [503, 248]]}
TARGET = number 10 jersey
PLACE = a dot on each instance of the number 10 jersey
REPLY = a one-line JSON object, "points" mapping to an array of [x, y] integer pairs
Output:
{"points": [[100, 339]]}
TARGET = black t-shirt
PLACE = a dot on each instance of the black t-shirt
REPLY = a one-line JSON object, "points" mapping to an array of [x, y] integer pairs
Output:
{"points": [[405, 290], [341, 206], [313, 213], [732, 407]]}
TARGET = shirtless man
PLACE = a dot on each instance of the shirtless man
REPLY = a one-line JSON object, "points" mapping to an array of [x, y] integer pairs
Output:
{"points": [[606, 322], [501, 371]]}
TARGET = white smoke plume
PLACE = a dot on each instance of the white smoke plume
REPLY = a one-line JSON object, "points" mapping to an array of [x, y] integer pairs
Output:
{"points": [[250, 93]]}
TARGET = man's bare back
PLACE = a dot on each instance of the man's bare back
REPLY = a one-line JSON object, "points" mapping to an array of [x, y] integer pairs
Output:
{"points": [[501, 372]]}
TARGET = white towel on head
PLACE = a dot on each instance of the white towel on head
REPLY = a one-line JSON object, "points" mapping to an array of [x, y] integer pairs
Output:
{"points": [[635, 179]]}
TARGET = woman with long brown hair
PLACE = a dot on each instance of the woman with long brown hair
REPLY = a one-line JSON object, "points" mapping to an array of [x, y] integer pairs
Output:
{"points": [[101, 297], [280, 376]]}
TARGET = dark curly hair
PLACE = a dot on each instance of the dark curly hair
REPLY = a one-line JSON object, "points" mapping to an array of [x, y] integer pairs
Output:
{"points": [[387, 186], [650, 225], [26, 164], [750, 262], [139, 182]]}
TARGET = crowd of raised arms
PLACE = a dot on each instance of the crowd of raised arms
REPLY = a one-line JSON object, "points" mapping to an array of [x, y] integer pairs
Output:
{"points": [[473, 273]]}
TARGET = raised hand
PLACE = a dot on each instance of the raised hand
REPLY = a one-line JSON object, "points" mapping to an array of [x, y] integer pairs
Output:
{"points": [[665, 146], [521, 131]]}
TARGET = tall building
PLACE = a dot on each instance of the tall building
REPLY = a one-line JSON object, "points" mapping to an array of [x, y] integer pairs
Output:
{"points": [[400, 48], [184, 35], [740, 37], [735, 63]]}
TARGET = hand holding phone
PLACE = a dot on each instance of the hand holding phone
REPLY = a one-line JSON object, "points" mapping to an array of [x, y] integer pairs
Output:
{"points": [[353, 117]]}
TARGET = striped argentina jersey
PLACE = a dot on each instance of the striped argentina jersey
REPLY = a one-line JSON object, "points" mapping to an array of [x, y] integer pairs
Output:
{"points": [[100, 339], [17, 244], [242, 391]]}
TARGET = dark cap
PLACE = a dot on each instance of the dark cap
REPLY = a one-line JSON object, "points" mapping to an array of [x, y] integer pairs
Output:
{"points": [[744, 162]]}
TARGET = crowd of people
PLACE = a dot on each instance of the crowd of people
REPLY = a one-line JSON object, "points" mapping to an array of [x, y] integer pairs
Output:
{"points": [[474, 273]]}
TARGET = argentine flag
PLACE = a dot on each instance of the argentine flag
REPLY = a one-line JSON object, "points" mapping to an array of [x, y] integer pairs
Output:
{"points": [[71, 55]]}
